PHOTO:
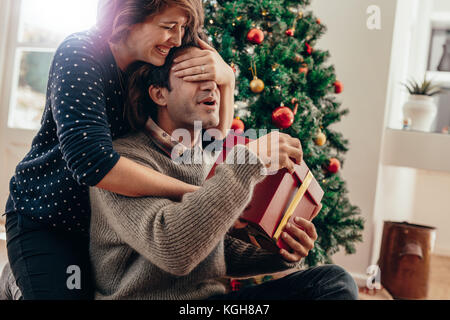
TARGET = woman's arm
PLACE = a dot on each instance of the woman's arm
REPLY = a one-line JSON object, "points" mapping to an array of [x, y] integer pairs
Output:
{"points": [[78, 88], [214, 69], [144, 181], [226, 111]]}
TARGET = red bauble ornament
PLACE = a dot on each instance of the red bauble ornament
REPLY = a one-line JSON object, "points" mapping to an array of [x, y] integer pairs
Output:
{"points": [[283, 117], [334, 165], [318, 21], [303, 69], [255, 36], [298, 58], [290, 32], [338, 87], [308, 48], [237, 125]]}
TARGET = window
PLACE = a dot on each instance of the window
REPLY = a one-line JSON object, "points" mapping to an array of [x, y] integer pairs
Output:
{"points": [[41, 26]]}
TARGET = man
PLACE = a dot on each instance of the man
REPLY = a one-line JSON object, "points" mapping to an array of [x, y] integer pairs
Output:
{"points": [[156, 248]]}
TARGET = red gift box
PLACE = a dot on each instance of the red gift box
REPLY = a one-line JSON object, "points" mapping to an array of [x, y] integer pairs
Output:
{"points": [[276, 200]]}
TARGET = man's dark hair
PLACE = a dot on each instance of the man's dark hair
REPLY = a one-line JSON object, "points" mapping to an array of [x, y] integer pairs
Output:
{"points": [[141, 75]]}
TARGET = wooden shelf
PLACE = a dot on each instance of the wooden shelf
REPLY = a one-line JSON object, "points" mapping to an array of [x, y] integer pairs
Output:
{"points": [[415, 149], [439, 77]]}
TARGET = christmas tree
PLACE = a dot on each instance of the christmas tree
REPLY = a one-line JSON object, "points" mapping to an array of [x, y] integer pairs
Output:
{"points": [[282, 82]]}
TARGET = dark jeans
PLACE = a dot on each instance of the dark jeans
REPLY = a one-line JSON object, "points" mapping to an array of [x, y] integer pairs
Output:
{"points": [[48, 264], [327, 282]]}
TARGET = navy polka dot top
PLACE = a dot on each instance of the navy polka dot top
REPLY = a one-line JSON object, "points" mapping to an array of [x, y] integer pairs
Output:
{"points": [[73, 148]]}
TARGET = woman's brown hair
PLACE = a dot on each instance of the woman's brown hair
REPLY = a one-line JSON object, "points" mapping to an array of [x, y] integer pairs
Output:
{"points": [[115, 17]]}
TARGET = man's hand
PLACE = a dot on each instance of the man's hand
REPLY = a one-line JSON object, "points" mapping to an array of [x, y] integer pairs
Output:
{"points": [[276, 150], [239, 224], [300, 241]]}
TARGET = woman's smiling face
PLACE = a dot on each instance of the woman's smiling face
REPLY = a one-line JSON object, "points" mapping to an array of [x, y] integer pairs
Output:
{"points": [[152, 40]]}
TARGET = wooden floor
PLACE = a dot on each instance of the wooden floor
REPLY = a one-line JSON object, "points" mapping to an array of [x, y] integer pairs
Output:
{"points": [[439, 288], [439, 278]]}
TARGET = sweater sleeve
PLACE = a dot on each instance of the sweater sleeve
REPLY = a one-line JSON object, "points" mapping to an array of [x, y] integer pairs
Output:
{"points": [[177, 236], [79, 110], [245, 260]]}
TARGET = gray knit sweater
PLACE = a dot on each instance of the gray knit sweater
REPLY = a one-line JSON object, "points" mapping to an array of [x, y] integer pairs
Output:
{"points": [[155, 248]]}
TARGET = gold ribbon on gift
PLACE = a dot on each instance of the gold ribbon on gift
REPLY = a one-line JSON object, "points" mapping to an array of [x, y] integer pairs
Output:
{"points": [[295, 201]]}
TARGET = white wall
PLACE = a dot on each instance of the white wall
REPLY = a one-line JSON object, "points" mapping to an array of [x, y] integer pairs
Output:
{"points": [[432, 206], [362, 59], [441, 5]]}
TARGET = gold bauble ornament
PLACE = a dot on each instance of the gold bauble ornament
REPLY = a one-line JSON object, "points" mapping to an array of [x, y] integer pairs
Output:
{"points": [[320, 139], [256, 85]]}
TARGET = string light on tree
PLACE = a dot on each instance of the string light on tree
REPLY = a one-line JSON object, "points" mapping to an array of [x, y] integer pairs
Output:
{"points": [[233, 66]]}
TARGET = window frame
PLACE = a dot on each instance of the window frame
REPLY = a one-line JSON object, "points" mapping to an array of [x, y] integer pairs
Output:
{"points": [[17, 136], [11, 64]]}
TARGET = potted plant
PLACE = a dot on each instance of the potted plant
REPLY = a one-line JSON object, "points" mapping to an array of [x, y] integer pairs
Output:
{"points": [[420, 108]]}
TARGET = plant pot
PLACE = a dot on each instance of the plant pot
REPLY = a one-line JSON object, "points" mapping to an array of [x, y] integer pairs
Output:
{"points": [[422, 110]]}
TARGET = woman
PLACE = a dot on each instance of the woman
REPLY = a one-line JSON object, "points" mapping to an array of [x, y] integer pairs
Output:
{"points": [[47, 213]]}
